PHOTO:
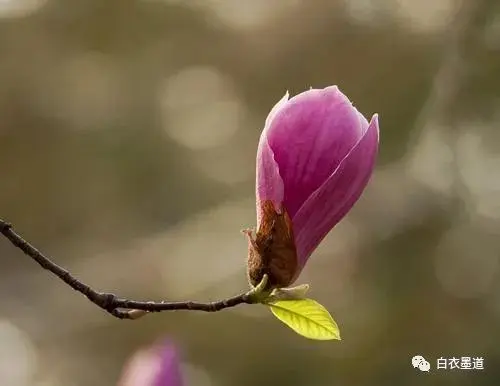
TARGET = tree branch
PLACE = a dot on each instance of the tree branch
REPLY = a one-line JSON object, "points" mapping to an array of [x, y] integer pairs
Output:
{"points": [[118, 307]]}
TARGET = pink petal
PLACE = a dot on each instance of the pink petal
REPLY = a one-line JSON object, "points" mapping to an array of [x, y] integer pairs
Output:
{"points": [[269, 184], [330, 203], [315, 157], [309, 136], [170, 373], [154, 366]]}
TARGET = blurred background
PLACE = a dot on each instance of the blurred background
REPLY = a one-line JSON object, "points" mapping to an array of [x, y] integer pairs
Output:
{"points": [[128, 135]]}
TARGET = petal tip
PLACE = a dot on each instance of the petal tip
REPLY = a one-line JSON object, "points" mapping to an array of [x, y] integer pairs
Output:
{"points": [[333, 88], [374, 125], [276, 108]]}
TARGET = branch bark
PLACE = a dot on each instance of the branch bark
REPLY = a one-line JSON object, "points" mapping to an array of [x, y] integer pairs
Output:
{"points": [[119, 307]]}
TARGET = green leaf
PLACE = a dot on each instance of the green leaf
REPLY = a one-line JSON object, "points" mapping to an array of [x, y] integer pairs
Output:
{"points": [[307, 318]]}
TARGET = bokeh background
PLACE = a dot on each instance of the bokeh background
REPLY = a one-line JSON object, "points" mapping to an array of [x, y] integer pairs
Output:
{"points": [[128, 132]]}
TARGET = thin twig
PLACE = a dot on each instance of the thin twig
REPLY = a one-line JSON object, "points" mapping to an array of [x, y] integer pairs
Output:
{"points": [[118, 307]]}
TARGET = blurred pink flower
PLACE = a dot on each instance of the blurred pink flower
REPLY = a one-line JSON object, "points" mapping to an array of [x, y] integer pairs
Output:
{"points": [[315, 157], [154, 366]]}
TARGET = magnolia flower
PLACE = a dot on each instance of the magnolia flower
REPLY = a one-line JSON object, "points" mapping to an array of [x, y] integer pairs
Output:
{"points": [[315, 157], [153, 366]]}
